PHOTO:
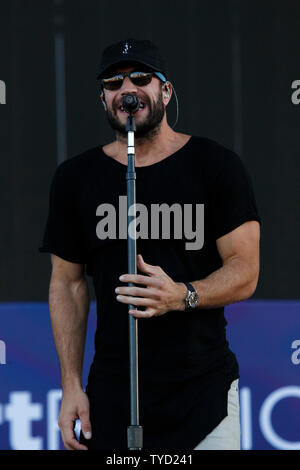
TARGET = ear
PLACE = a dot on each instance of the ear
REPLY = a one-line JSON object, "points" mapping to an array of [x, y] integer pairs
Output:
{"points": [[102, 98], [167, 92]]}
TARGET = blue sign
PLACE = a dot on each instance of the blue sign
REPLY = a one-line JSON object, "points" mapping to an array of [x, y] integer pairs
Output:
{"points": [[264, 335]]}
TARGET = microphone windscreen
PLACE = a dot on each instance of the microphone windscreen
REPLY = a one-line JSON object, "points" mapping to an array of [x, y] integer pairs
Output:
{"points": [[131, 103]]}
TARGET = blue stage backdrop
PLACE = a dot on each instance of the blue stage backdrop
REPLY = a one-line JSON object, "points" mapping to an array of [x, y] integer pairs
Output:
{"points": [[265, 335]]}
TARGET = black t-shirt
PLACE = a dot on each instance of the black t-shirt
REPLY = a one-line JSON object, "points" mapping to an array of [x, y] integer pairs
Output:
{"points": [[185, 364]]}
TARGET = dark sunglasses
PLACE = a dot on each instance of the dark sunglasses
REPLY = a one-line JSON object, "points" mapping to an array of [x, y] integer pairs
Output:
{"points": [[137, 78]]}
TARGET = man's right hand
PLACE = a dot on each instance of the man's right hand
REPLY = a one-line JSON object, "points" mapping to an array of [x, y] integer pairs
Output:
{"points": [[75, 405]]}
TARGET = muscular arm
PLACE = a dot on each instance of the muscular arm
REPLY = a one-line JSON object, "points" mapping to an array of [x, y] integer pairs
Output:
{"points": [[237, 279], [69, 307]]}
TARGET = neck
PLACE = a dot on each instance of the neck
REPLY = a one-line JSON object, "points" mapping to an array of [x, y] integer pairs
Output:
{"points": [[146, 148]]}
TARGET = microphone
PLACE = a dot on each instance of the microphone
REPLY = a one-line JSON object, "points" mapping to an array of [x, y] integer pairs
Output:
{"points": [[131, 103]]}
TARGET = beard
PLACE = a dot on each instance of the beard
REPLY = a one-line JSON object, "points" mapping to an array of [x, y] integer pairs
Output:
{"points": [[145, 130]]}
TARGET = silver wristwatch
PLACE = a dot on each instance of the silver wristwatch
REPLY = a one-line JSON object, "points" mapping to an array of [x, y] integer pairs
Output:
{"points": [[191, 299]]}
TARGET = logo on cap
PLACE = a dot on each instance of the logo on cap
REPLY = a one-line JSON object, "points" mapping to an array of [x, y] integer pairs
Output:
{"points": [[126, 48]]}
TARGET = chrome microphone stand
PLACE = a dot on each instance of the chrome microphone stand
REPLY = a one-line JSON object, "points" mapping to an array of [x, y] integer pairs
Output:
{"points": [[134, 430]]}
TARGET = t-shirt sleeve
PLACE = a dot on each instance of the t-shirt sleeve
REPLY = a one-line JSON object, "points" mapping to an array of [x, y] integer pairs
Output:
{"points": [[63, 234], [233, 200]]}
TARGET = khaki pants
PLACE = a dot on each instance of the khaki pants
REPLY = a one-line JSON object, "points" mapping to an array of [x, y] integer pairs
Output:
{"points": [[226, 436]]}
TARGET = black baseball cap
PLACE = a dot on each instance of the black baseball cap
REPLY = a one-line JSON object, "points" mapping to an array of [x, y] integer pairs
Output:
{"points": [[132, 50]]}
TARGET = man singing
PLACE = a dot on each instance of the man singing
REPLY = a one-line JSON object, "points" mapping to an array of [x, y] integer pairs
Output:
{"points": [[198, 236]]}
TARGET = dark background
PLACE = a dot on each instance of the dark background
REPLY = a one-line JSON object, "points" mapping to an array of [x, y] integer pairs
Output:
{"points": [[232, 64]]}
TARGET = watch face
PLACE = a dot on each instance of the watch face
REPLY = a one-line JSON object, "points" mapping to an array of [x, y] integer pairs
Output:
{"points": [[193, 299]]}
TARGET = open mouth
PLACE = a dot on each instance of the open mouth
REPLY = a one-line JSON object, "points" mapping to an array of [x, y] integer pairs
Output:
{"points": [[141, 108]]}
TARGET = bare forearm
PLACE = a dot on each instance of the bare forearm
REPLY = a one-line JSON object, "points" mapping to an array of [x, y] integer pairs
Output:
{"points": [[231, 283], [69, 307], [236, 280]]}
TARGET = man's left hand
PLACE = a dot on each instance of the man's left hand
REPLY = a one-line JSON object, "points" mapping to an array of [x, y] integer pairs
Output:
{"points": [[160, 296]]}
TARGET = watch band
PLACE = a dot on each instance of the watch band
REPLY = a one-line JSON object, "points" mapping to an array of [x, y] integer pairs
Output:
{"points": [[189, 286], [191, 289]]}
